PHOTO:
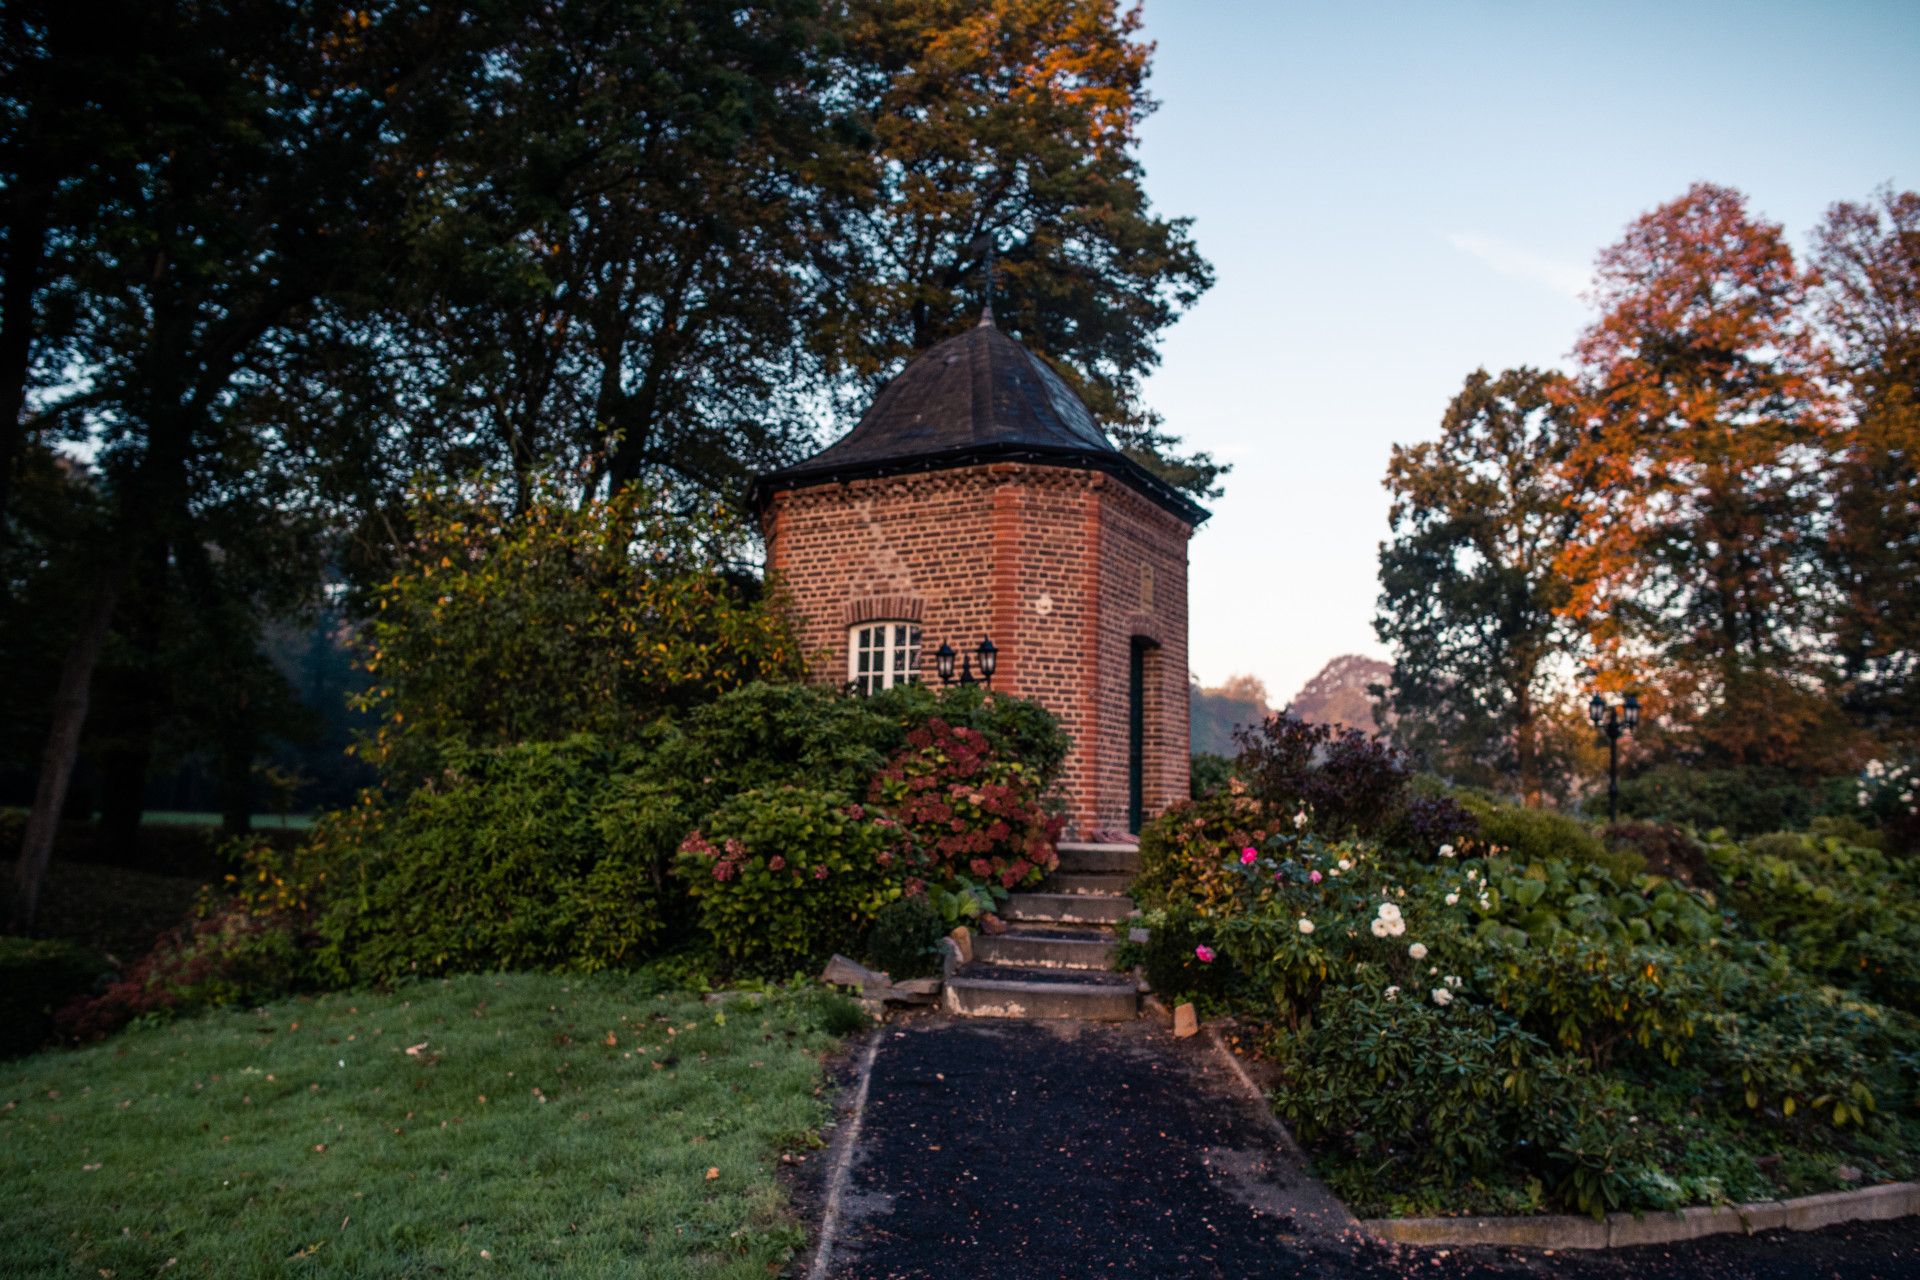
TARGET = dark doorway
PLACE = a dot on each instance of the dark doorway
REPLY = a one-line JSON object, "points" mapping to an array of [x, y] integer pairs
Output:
{"points": [[1137, 732]]}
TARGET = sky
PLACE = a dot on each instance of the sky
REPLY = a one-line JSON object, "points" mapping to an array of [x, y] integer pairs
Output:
{"points": [[1393, 195]]}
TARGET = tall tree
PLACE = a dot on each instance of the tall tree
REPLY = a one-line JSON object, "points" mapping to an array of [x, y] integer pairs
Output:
{"points": [[1705, 429], [1868, 256], [1005, 131], [262, 180], [1471, 592]]}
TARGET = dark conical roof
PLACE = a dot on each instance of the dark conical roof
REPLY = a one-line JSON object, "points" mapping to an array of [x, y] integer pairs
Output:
{"points": [[978, 396]]}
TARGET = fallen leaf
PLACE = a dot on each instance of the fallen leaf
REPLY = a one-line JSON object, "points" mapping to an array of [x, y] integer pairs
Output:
{"points": [[711, 1173]]}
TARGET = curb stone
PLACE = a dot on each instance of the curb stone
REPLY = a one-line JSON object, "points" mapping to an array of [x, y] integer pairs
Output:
{"points": [[1623, 1230]]}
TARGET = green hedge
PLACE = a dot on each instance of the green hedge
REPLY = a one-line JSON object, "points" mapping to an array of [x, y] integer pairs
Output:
{"points": [[38, 976]]}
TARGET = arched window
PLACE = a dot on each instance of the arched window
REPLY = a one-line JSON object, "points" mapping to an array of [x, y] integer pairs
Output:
{"points": [[882, 654]]}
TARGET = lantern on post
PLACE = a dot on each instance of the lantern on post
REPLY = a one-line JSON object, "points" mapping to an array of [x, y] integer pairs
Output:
{"points": [[986, 651], [1612, 722]]}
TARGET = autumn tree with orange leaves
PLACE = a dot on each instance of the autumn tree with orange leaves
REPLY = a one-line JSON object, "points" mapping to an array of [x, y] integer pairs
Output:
{"points": [[1705, 430]]}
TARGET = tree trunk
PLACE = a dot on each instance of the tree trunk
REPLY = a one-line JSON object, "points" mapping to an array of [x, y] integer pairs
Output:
{"points": [[1523, 718], [238, 745], [56, 764]]}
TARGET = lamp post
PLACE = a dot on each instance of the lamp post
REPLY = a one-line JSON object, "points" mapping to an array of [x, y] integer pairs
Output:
{"points": [[1614, 721], [986, 651]]}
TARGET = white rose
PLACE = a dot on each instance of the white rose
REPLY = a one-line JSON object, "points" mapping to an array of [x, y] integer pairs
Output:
{"points": [[1442, 997], [1346, 864], [1391, 993], [1446, 851], [1389, 912], [1379, 927], [1452, 981], [1300, 820], [1418, 951], [1453, 899], [1306, 925], [1396, 926]]}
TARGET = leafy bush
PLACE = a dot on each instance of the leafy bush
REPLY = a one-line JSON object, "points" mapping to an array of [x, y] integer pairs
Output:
{"points": [[38, 976], [232, 956], [1207, 773], [1741, 802], [905, 939], [1348, 782], [965, 811], [1514, 1024], [782, 877], [1664, 850], [1181, 852], [499, 861], [519, 621], [1849, 914], [1536, 835]]}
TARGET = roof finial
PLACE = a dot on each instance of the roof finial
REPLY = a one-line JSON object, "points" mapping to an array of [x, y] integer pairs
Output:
{"points": [[986, 310]]}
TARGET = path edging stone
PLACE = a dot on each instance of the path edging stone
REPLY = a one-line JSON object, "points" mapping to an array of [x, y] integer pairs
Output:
{"points": [[1623, 1230]]}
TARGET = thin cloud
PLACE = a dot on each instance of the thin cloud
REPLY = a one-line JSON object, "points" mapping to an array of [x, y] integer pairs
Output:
{"points": [[1569, 278]]}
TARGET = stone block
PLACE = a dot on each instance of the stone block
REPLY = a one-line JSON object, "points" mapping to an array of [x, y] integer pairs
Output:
{"points": [[1185, 1021]]}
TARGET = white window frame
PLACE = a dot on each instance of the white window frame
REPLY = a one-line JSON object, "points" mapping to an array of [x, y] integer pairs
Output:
{"points": [[881, 654]]}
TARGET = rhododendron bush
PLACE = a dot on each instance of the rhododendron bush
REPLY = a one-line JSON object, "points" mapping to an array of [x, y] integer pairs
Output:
{"points": [[1498, 1028]]}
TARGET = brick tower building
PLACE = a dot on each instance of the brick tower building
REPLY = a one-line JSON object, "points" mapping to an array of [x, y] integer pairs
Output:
{"points": [[977, 498]]}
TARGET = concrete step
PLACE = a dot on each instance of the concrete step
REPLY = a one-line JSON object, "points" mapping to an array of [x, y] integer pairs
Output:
{"points": [[1066, 908], [993, 991], [1110, 883], [1076, 857], [1091, 949]]}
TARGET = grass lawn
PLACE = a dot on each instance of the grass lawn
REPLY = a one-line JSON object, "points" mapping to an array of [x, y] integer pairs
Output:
{"points": [[504, 1124]]}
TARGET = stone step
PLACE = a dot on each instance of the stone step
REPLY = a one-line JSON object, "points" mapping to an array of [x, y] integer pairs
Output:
{"points": [[1066, 908], [1075, 857], [1091, 950], [1109, 883], [992, 991]]}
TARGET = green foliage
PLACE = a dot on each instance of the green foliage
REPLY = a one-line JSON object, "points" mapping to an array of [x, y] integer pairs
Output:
{"points": [[905, 939], [1532, 835], [781, 877], [531, 621], [1208, 773], [1850, 915], [1517, 1024], [1742, 802], [1470, 587], [37, 977], [1182, 858], [498, 861]]}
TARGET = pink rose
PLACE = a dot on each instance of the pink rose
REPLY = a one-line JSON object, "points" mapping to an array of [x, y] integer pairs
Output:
{"points": [[819, 873], [1314, 876], [1203, 953], [1248, 856]]}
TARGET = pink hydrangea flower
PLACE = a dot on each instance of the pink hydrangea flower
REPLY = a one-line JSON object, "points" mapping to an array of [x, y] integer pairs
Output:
{"points": [[776, 863], [1203, 953], [1247, 856]]}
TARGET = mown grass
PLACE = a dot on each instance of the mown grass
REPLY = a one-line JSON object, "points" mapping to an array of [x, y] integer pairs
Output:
{"points": [[558, 1126]]}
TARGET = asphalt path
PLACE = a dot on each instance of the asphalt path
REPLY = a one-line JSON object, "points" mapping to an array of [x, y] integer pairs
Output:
{"points": [[1021, 1149]]}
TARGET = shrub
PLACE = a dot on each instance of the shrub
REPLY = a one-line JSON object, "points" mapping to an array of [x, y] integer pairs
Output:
{"points": [[513, 621], [1744, 801], [1665, 850], [498, 861], [1848, 914], [905, 939], [782, 877], [39, 976], [1183, 852], [232, 956], [1208, 773], [1350, 783], [1539, 835], [966, 812], [1016, 730]]}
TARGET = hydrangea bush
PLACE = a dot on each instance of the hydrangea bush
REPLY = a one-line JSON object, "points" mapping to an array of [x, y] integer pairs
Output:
{"points": [[965, 810]]}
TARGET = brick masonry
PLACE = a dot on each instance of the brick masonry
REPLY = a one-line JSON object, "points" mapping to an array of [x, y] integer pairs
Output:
{"points": [[1065, 568]]}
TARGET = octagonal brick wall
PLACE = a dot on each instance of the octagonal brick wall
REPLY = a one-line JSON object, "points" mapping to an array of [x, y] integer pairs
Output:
{"points": [[1063, 567]]}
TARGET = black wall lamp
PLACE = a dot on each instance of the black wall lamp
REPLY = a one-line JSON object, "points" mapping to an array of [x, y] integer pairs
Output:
{"points": [[988, 654]]}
